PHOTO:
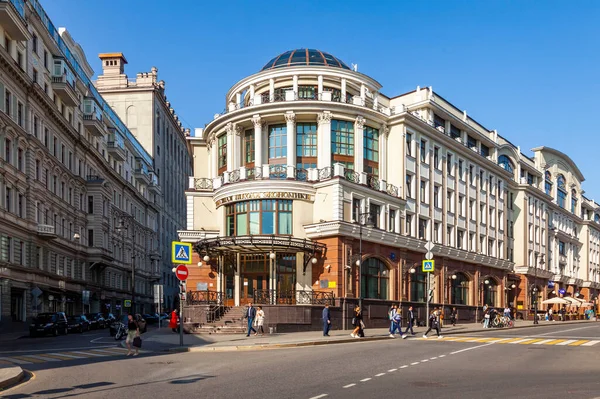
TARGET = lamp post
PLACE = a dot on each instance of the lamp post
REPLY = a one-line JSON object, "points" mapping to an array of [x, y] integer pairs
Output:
{"points": [[408, 269], [481, 285], [449, 280], [124, 224], [363, 219], [535, 291]]}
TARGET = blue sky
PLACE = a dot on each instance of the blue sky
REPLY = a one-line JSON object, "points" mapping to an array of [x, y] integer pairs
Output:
{"points": [[526, 68]]}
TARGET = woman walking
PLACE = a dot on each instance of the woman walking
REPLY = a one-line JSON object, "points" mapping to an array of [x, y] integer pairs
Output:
{"points": [[174, 322], [260, 320], [357, 323], [133, 331], [433, 324], [453, 316]]}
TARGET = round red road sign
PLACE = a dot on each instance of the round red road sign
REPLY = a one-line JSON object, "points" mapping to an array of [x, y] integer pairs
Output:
{"points": [[181, 272]]}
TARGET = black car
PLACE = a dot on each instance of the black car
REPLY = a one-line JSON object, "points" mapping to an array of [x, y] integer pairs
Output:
{"points": [[96, 320], [151, 318], [49, 323], [78, 323]]}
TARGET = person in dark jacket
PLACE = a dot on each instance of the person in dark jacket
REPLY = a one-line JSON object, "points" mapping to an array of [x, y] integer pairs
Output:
{"points": [[453, 316], [410, 320], [250, 315], [326, 320], [433, 324], [357, 323]]}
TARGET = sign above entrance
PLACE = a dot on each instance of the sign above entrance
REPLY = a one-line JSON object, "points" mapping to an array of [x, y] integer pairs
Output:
{"points": [[428, 266], [265, 195]]}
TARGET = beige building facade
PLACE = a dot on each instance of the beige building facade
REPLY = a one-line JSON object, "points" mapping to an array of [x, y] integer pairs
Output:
{"points": [[309, 150]]}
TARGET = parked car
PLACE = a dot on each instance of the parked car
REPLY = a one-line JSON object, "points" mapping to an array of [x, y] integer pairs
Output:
{"points": [[49, 323], [151, 318], [165, 316], [78, 323], [96, 320]]}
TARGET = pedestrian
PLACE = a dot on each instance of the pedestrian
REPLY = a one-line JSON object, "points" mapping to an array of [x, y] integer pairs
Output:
{"points": [[391, 313], [397, 322], [260, 321], [174, 322], [326, 316], [486, 319], [410, 320], [133, 331], [434, 324], [250, 315], [357, 322], [563, 313], [507, 312], [453, 316], [550, 315]]}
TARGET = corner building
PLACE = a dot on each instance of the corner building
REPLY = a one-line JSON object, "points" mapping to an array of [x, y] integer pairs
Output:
{"points": [[312, 186]]}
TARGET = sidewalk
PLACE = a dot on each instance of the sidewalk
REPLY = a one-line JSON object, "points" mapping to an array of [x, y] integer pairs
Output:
{"points": [[164, 339]]}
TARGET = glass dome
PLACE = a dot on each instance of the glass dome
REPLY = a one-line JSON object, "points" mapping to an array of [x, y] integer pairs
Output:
{"points": [[304, 56]]}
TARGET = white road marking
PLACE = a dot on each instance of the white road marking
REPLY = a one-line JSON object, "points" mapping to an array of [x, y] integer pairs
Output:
{"points": [[405, 366], [570, 341], [423, 361], [392, 370], [433, 358], [471, 348], [108, 352], [65, 355], [15, 361], [319, 396], [54, 349], [519, 341], [442, 356], [46, 359], [412, 364], [89, 354], [365, 379], [499, 340], [542, 342], [591, 343], [348, 386], [562, 331], [379, 375]]}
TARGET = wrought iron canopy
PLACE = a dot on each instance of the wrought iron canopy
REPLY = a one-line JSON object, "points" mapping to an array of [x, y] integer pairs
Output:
{"points": [[254, 244]]}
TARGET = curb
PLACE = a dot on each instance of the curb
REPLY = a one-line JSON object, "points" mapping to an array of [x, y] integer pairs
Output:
{"points": [[234, 348], [10, 382]]}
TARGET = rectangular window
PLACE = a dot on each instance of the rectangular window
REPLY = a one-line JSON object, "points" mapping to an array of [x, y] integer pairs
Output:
{"points": [[34, 44], [482, 213], [436, 157], [472, 174], [461, 205], [20, 159], [371, 150], [454, 132], [8, 103], [436, 232], [356, 209], [222, 152], [392, 221], [278, 141], [472, 242], [46, 138], [90, 238], [46, 59], [423, 151], [90, 204], [36, 126], [306, 144], [472, 211], [20, 114], [7, 151], [37, 169], [485, 150], [409, 144], [460, 170], [471, 142], [422, 229], [249, 148], [423, 191], [439, 122], [8, 199], [409, 186], [436, 196], [375, 215], [450, 202], [35, 75], [409, 219], [449, 168], [342, 142], [449, 241], [460, 236]]}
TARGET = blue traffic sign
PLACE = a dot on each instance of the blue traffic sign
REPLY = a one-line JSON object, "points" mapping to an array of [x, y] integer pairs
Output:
{"points": [[181, 252], [428, 266]]}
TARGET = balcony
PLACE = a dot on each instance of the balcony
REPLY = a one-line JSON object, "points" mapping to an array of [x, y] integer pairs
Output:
{"points": [[12, 19], [116, 147], [46, 231], [65, 90], [92, 118], [141, 172], [287, 172], [154, 187]]}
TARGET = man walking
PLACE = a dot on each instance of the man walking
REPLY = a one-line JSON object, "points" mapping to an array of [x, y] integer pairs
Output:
{"points": [[326, 320], [433, 324], [250, 315], [396, 322], [410, 321]]}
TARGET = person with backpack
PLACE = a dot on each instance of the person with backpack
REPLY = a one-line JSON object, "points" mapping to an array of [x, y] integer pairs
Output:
{"points": [[391, 313], [434, 324]]}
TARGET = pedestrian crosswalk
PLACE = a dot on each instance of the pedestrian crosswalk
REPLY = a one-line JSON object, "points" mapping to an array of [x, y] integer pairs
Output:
{"points": [[63, 356], [519, 341]]}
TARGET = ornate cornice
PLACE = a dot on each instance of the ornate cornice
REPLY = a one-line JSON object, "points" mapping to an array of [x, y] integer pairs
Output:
{"points": [[290, 117], [359, 123], [324, 117]]}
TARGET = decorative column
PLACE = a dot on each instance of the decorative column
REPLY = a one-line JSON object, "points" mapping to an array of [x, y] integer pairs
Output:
{"points": [[295, 87], [271, 90], [383, 136], [363, 92], [290, 120], [324, 140], [343, 89], [212, 147], [237, 146], [236, 282], [238, 99], [320, 85], [258, 140], [359, 125], [230, 145], [251, 92]]}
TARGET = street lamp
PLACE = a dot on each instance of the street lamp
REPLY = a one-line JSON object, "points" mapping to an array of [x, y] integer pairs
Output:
{"points": [[534, 293], [363, 218], [408, 269], [482, 283], [126, 221], [449, 280]]}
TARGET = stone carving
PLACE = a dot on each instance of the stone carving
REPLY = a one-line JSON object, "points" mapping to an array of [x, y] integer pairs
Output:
{"points": [[238, 130], [290, 117], [359, 123], [324, 117], [257, 121], [385, 130]]}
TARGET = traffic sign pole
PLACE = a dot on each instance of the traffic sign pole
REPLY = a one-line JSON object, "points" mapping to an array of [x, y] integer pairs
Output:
{"points": [[180, 316]]}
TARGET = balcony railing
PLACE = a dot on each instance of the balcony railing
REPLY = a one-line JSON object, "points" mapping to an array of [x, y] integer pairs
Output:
{"points": [[46, 230], [286, 172], [293, 297], [204, 297], [19, 6]]}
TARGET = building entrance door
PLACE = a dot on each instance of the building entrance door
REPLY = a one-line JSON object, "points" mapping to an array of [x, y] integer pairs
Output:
{"points": [[286, 279], [254, 277]]}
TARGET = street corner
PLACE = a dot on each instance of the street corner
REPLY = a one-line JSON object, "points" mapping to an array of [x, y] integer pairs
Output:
{"points": [[11, 376]]}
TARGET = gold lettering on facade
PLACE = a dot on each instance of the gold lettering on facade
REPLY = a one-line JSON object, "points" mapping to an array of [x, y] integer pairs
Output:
{"points": [[264, 195]]}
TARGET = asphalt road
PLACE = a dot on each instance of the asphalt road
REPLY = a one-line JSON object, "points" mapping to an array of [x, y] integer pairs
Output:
{"points": [[380, 369]]}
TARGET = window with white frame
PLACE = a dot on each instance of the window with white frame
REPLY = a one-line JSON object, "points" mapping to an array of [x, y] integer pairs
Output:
{"points": [[409, 224], [409, 151]]}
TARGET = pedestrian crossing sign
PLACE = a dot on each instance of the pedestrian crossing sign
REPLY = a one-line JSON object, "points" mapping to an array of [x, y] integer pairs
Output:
{"points": [[181, 253], [428, 266]]}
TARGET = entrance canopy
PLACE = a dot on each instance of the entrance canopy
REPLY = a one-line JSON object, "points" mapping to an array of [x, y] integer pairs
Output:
{"points": [[555, 300], [258, 244]]}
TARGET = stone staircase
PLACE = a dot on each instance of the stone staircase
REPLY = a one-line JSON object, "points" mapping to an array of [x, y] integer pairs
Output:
{"points": [[231, 322]]}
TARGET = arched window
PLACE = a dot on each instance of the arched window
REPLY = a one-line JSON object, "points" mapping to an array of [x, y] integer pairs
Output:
{"points": [[374, 279], [573, 201], [418, 285], [460, 290], [561, 194], [506, 163], [490, 293], [548, 186]]}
